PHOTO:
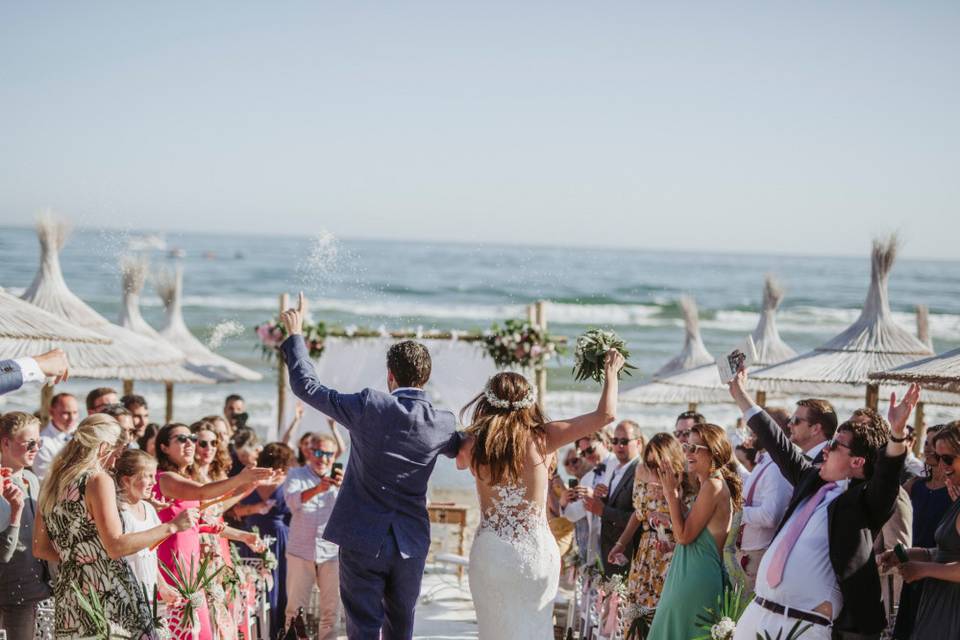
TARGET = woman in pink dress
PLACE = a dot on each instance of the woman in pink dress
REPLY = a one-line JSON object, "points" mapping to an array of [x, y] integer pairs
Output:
{"points": [[175, 447]]}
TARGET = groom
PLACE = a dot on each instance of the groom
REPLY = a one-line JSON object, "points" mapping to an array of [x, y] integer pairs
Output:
{"points": [[380, 518]]}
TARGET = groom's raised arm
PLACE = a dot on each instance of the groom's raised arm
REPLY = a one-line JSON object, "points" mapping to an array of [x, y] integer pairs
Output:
{"points": [[345, 408]]}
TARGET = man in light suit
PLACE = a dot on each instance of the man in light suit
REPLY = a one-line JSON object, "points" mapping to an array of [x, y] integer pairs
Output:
{"points": [[15, 373], [380, 519]]}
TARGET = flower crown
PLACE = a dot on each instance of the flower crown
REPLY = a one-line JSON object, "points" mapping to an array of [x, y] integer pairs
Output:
{"points": [[525, 402]]}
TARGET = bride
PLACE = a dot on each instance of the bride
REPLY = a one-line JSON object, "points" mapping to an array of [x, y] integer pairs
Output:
{"points": [[515, 563]]}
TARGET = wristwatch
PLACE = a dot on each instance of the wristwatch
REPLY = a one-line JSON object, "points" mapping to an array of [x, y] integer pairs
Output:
{"points": [[894, 438]]}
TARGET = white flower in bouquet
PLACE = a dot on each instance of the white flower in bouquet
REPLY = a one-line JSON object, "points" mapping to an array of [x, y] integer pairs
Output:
{"points": [[196, 600], [724, 629]]}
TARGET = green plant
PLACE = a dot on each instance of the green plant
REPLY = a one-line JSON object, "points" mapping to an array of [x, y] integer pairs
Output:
{"points": [[520, 343], [591, 352], [795, 632], [719, 622], [190, 584]]}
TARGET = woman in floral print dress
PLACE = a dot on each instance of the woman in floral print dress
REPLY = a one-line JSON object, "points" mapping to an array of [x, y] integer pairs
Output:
{"points": [[79, 526]]}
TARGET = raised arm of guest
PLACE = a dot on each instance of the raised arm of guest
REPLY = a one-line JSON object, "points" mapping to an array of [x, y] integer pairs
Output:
{"points": [[883, 487], [292, 429], [563, 432], [341, 445], [687, 526], [15, 373], [173, 485]]}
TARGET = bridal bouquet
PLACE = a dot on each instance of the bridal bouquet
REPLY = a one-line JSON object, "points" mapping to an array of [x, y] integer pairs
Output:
{"points": [[190, 584], [591, 351], [103, 627], [519, 343], [272, 334]]}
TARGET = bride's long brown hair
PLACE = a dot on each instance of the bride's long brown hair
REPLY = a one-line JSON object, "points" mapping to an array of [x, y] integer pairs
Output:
{"points": [[501, 436]]}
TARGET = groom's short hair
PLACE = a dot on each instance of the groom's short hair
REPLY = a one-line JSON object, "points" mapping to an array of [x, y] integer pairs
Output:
{"points": [[410, 364]]}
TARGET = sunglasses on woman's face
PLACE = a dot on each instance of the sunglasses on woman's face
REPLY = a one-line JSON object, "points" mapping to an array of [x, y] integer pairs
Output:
{"points": [[586, 452], [689, 447], [203, 444], [946, 459], [182, 439]]}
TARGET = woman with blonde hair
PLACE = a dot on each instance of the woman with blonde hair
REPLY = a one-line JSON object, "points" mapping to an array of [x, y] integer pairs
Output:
{"points": [[514, 562], [652, 516], [79, 526], [697, 577]]}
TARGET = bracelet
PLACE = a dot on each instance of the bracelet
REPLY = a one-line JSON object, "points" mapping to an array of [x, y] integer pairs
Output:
{"points": [[893, 438]]}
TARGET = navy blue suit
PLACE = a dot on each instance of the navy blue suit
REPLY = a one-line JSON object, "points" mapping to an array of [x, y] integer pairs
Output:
{"points": [[380, 519], [11, 377]]}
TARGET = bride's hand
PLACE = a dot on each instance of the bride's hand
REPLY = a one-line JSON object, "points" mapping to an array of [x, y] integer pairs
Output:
{"points": [[613, 362]]}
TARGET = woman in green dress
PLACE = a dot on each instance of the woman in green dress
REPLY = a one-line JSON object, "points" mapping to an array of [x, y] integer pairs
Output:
{"points": [[696, 577]]}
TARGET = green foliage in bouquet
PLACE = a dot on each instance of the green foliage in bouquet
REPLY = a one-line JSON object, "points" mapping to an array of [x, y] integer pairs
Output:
{"points": [[94, 610], [272, 333], [640, 623], [519, 343], [795, 632], [591, 351], [720, 622], [191, 583]]}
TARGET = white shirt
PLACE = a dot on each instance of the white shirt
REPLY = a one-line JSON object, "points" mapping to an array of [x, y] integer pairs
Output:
{"points": [[770, 501], [576, 511], [309, 518], [30, 370], [915, 465], [143, 562], [52, 440], [815, 450], [808, 577]]}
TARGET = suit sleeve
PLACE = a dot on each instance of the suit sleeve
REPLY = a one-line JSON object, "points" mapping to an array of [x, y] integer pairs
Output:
{"points": [[771, 437], [11, 376], [452, 447], [345, 408], [616, 513], [882, 489]]}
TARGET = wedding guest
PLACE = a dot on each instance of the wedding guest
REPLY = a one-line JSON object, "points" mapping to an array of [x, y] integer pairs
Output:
{"points": [[310, 493], [304, 448], [148, 441], [685, 422], [746, 456], [176, 449], [123, 418], [766, 496], [613, 502], [273, 521], [135, 474], [23, 577], [930, 499], [914, 466], [938, 613], [137, 406], [578, 468], [79, 525], [696, 576], [246, 447], [100, 398], [812, 425], [64, 416], [651, 517], [235, 411], [838, 507], [595, 452], [17, 372]]}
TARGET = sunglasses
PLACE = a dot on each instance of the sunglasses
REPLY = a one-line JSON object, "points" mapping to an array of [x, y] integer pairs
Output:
{"points": [[689, 447], [623, 441], [31, 445], [682, 433], [203, 444], [586, 452], [794, 420], [946, 459], [319, 453], [183, 439]]}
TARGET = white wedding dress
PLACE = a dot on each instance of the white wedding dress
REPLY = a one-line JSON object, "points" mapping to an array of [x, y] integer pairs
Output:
{"points": [[514, 569]]}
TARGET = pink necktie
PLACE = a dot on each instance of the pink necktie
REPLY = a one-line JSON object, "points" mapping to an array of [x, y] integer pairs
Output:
{"points": [[775, 570]]}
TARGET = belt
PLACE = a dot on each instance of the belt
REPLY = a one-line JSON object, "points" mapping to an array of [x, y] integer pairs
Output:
{"points": [[797, 614]]}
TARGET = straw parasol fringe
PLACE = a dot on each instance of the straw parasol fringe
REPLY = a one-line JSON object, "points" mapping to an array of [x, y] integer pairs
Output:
{"points": [[874, 342], [940, 372], [170, 286], [128, 356], [134, 276], [770, 347], [694, 353]]}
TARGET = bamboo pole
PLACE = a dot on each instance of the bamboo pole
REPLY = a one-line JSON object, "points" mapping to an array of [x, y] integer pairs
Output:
{"points": [[540, 317], [169, 393], [872, 398], [919, 429], [127, 387], [691, 406], [281, 372], [761, 398]]}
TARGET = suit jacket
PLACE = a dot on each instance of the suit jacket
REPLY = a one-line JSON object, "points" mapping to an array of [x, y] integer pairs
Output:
{"points": [[853, 520], [395, 440], [11, 377], [616, 514]]}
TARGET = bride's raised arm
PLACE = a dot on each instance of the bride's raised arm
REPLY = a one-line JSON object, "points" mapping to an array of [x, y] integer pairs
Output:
{"points": [[563, 432]]}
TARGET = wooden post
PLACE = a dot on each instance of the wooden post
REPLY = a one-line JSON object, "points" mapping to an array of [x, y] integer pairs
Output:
{"points": [[281, 372], [919, 430], [531, 314], [873, 396], [46, 393], [169, 390], [127, 387], [691, 406], [540, 318], [761, 398]]}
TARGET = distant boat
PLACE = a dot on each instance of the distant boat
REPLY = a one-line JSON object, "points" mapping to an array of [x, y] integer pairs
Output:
{"points": [[147, 242], [176, 253]]}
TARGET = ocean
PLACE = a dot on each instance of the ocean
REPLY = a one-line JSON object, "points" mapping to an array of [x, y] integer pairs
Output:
{"points": [[371, 283]]}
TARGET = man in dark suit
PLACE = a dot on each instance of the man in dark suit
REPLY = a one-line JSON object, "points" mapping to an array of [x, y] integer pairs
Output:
{"points": [[14, 373], [812, 426], [820, 567], [614, 502], [380, 519]]}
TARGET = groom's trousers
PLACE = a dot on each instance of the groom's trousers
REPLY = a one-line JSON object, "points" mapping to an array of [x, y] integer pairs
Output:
{"points": [[380, 592]]}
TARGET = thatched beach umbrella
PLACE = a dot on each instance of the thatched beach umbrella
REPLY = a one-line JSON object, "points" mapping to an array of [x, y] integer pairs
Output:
{"points": [[940, 372], [702, 384], [875, 342], [134, 357]]}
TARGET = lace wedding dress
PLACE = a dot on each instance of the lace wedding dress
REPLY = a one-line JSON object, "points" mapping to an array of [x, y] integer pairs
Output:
{"points": [[514, 569]]}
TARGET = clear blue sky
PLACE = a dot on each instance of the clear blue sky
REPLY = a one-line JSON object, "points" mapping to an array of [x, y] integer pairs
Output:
{"points": [[794, 127]]}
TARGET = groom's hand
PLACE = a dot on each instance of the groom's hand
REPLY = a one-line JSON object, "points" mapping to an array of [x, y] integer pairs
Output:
{"points": [[292, 319]]}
